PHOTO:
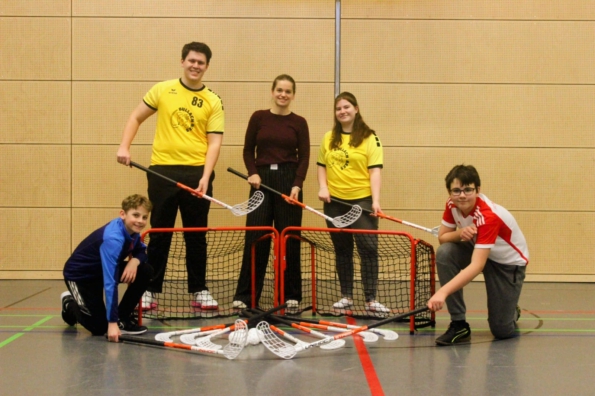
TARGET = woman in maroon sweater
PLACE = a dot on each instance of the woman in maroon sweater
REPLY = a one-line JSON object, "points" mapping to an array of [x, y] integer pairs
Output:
{"points": [[276, 153]]}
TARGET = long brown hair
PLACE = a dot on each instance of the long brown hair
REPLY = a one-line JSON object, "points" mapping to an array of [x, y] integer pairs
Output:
{"points": [[360, 129]]}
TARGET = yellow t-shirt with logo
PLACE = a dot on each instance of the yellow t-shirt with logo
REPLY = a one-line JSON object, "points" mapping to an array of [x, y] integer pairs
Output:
{"points": [[347, 167], [184, 118]]}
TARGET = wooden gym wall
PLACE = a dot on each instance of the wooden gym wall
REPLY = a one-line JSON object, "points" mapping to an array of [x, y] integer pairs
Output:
{"points": [[507, 86]]}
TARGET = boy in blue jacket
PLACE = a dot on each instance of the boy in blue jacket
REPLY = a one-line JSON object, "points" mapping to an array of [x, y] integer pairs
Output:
{"points": [[110, 255]]}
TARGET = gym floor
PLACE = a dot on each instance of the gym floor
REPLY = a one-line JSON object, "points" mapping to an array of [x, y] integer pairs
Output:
{"points": [[553, 355]]}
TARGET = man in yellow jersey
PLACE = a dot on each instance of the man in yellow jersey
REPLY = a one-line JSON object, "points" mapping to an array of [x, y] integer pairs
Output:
{"points": [[190, 124]]}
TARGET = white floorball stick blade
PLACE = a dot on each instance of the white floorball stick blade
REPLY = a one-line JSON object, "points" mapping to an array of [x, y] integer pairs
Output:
{"points": [[248, 206], [238, 341], [335, 344], [368, 336], [165, 337], [274, 343], [388, 335], [348, 218]]}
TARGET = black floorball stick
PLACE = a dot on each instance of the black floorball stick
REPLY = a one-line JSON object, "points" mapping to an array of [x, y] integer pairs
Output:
{"points": [[433, 231], [238, 210], [339, 222]]}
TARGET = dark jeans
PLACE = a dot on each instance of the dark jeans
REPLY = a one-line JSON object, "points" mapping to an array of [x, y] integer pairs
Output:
{"points": [[367, 248], [167, 198], [273, 210], [90, 309]]}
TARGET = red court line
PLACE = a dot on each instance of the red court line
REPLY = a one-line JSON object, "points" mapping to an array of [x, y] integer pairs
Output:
{"points": [[367, 365]]}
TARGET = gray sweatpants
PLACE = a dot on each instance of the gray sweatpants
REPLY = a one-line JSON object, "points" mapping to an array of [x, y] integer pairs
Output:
{"points": [[503, 287]]}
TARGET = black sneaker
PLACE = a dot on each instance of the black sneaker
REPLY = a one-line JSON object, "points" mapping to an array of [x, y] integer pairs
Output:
{"points": [[457, 332], [68, 315], [131, 326]]}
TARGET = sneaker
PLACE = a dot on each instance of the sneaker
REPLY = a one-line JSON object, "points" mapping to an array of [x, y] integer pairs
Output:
{"points": [[204, 300], [131, 326], [457, 332], [375, 306], [343, 303], [148, 301], [67, 315], [237, 304]]}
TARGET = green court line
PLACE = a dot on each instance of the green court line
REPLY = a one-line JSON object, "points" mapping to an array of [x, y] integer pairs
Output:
{"points": [[18, 335]]}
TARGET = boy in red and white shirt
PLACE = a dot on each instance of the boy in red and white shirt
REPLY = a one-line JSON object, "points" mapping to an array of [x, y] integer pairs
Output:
{"points": [[477, 235]]}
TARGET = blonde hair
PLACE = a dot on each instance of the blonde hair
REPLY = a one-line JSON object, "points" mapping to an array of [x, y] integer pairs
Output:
{"points": [[136, 200]]}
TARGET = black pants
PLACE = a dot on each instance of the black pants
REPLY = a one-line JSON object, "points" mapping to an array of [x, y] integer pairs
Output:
{"points": [[273, 210], [90, 309], [367, 248], [167, 198]]}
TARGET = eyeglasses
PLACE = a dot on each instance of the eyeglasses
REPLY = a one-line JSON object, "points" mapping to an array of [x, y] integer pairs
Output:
{"points": [[457, 191]]}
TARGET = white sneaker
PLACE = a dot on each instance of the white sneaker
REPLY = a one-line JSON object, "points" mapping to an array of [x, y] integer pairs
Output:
{"points": [[343, 303], [148, 301], [204, 300], [239, 304], [375, 306]]}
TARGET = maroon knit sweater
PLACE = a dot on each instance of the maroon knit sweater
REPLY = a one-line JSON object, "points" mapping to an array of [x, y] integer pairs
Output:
{"points": [[276, 139]]}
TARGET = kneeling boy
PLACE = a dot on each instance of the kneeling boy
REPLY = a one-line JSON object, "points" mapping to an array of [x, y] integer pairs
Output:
{"points": [[477, 236], [100, 263]]}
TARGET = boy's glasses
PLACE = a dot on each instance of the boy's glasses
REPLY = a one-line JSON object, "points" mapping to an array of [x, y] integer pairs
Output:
{"points": [[457, 191]]}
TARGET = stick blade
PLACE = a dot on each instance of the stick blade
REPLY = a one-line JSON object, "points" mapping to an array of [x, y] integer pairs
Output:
{"points": [[388, 335], [336, 344], [237, 342], [274, 343], [348, 218], [246, 207], [165, 337]]}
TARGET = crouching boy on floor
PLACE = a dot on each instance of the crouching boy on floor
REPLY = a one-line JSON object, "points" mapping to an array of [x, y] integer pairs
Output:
{"points": [[477, 235], [110, 255]]}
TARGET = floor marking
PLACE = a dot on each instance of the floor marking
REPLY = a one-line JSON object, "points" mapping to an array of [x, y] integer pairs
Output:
{"points": [[367, 365], [18, 335]]}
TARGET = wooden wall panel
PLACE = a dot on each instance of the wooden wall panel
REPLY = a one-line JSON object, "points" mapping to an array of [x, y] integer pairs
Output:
{"points": [[99, 116], [34, 239], [100, 111], [35, 176], [206, 8], [479, 115], [41, 50], [46, 121], [98, 181], [456, 51], [314, 102], [506, 86], [531, 10], [150, 51], [35, 8], [518, 179]]}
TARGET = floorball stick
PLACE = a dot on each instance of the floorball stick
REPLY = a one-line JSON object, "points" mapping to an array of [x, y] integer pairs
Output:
{"points": [[388, 335], [367, 336], [252, 319], [287, 351], [230, 351], [332, 344], [339, 221], [433, 231], [238, 210]]}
